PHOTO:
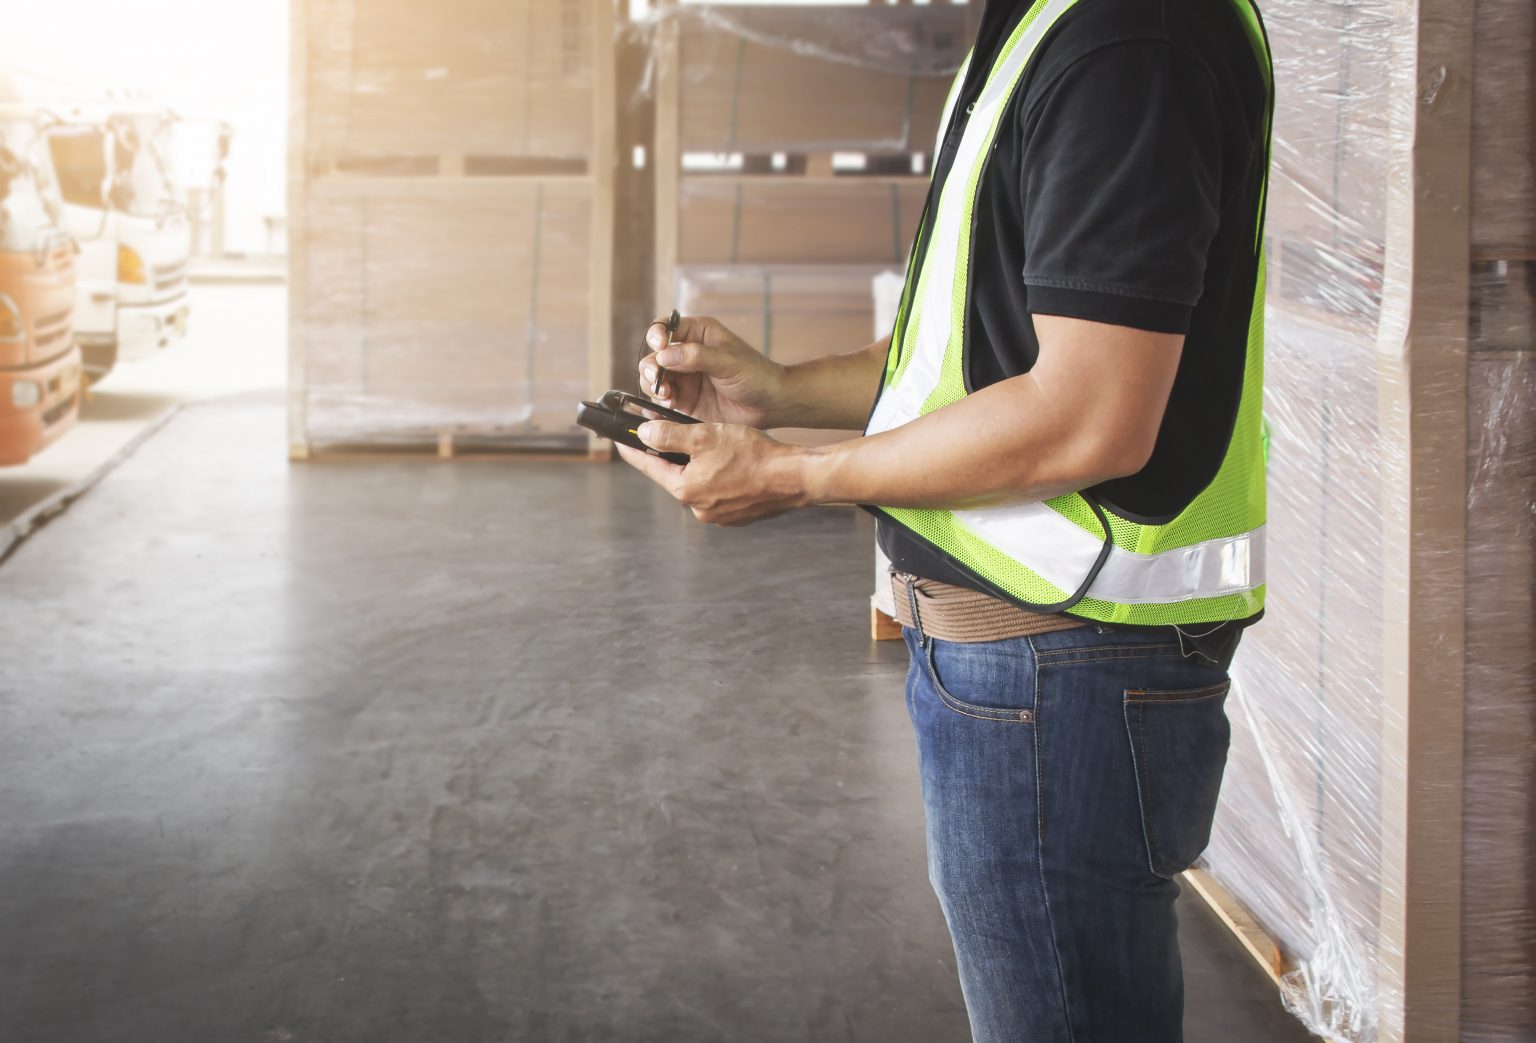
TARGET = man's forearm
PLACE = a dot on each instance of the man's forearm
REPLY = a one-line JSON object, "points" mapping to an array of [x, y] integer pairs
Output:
{"points": [[1006, 443], [836, 391]]}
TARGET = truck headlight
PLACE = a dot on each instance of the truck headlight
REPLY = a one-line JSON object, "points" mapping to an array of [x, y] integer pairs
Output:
{"points": [[12, 329], [26, 393], [130, 266]]}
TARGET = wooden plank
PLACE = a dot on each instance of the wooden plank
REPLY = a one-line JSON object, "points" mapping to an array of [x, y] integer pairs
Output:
{"points": [[1265, 951], [298, 261], [881, 626], [427, 452], [1421, 360]]}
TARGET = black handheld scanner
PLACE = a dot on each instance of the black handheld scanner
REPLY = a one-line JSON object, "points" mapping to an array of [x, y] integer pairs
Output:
{"points": [[618, 415]]}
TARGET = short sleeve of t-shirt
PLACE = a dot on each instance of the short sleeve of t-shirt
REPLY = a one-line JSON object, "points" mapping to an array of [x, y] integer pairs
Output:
{"points": [[1121, 187]]}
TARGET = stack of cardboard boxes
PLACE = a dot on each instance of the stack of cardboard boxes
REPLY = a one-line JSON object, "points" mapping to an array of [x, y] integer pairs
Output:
{"points": [[792, 152], [1378, 799], [451, 234], [1499, 828]]}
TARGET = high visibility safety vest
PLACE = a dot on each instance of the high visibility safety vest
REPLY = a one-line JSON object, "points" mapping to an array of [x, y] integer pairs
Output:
{"points": [[1071, 553]]}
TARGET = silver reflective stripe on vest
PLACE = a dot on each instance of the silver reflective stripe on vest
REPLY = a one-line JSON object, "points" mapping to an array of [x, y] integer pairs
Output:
{"points": [[1062, 553], [949, 108], [903, 402]]}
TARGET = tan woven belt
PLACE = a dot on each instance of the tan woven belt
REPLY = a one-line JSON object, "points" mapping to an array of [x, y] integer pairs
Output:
{"points": [[957, 614]]}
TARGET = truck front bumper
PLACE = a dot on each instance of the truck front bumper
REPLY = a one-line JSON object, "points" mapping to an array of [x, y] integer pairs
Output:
{"points": [[26, 432], [143, 329]]}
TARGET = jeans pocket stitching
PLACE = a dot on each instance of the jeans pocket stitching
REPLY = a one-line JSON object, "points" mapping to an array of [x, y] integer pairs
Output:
{"points": [[1180, 695], [980, 713], [1138, 702], [1069, 656], [1144, 793], [1151, 646]]}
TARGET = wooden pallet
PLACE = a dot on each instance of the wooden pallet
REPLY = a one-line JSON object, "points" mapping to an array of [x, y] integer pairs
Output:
{"points": [[1266, 952], [459, 446], [820, 164], [448, 165]]}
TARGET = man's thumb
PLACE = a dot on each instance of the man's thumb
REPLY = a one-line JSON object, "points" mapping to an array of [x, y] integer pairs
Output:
{"points": [[663, 435]]}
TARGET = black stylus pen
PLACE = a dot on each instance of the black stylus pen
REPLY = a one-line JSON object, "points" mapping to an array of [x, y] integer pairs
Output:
{"points": [[672, 324]]}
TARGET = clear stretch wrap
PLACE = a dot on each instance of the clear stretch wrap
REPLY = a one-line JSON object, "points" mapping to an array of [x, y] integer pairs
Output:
{"points": [[803, 78], [447, 240], [801, 147], [1308, 837]]}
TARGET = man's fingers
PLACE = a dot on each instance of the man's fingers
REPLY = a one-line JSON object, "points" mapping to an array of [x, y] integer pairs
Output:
{"points": [[648, 380], [695, 328], [648, 373], [693, 357]]}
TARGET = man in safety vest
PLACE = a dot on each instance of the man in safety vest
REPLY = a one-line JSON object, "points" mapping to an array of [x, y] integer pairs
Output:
{"points": [[1063, 445]]}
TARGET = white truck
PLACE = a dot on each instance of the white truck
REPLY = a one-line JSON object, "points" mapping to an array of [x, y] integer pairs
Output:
{"points": [[113, 165]]}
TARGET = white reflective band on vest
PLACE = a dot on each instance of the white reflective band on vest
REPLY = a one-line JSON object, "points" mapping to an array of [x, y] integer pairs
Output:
{"points": [[1051, 545], [1062, 554]]}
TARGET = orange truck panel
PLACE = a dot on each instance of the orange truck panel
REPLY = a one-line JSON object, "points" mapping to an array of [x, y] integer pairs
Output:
{"points": [[40, 369]]}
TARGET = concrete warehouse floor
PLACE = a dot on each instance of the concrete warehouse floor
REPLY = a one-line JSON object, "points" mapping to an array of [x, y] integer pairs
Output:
{"points": [[397, 751]]}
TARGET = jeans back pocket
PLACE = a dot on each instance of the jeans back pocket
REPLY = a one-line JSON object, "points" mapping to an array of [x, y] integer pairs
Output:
{"points": [[1179, 748]]}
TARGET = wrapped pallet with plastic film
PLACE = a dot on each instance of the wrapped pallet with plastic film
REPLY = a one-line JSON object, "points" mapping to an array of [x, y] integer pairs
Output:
{"points": [[792, 147], [451, 219], [1377, 813]]}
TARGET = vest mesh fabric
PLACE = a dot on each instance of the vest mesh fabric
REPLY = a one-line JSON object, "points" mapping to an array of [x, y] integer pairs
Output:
{"points": [[1231, 505]]}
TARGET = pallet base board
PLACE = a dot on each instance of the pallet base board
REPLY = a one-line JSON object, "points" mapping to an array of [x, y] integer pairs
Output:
{"points": [[1266, 952], [452, 445]]}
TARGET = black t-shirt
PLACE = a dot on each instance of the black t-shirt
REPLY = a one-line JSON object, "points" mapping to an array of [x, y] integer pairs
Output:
{"points": [[1124, 188]]}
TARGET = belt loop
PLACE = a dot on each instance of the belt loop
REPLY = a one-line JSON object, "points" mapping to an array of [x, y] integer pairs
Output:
{"points": [[917, 619]]}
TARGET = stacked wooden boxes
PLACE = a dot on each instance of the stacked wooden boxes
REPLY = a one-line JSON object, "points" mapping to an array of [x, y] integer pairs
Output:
{"points": [[451, 219], [1376, 815], [792, 150]]}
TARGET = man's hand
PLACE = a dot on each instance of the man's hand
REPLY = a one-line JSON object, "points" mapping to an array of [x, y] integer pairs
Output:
{"points": [[735, 476], [712, 374]]}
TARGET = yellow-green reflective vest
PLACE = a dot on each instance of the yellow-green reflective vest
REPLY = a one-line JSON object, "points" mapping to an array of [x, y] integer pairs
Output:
{"points": [[1070, 554]]}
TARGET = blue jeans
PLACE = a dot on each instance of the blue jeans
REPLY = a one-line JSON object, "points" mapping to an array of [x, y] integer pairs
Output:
{"points": [[1067, 778]]}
